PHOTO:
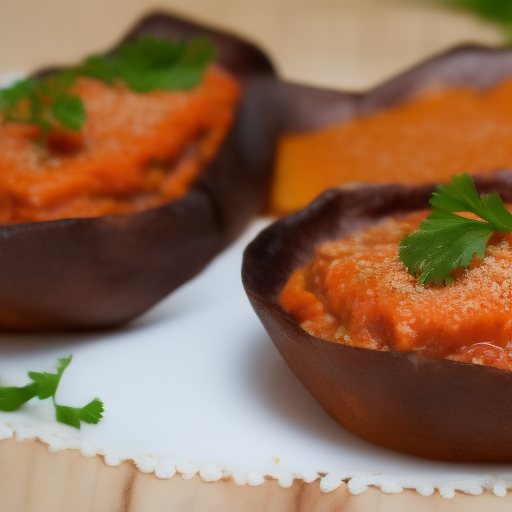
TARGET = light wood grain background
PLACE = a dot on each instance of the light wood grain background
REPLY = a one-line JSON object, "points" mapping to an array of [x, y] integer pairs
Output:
{"points": [[339, 43], [35, 480]]}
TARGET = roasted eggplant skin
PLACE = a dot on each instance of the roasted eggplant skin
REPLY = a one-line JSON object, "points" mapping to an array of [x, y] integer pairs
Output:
{"points": [[438, 409], [95, 273], [300, 109]]}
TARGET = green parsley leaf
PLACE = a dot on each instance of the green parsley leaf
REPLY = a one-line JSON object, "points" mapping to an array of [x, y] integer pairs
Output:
{"points": [[148, 64], [12, 398], [49, 382], [43, 102], [57, 84], [10, 98], [45, 386], [97, 67], [73, 416], [446, 241], [69, 111], [144, 65]]}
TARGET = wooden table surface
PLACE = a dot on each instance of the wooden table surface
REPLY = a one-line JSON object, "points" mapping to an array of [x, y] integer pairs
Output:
{"points": [[336, 43], [35, 480]]}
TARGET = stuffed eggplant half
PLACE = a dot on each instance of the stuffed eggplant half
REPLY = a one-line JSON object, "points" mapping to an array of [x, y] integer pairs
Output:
{"points": [[420, 367], [123, 176], [447, 115]]}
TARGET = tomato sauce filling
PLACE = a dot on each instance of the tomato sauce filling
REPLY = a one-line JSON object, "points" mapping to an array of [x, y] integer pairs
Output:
{"points": [[426, 140], [357, 292], [135, 151]]}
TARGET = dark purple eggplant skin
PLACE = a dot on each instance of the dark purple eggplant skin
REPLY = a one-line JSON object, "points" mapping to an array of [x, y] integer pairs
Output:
{"points": [[438, 409], [298, 108], [96, 273]]}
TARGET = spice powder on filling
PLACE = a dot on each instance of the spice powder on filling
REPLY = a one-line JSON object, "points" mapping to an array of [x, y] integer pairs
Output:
{"points": [[356, 291]]}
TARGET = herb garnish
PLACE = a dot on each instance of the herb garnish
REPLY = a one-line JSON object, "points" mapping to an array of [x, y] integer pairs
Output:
{"points": [[46, 102], [445, 240], [44, 386], [499, 11], [144, 65]]}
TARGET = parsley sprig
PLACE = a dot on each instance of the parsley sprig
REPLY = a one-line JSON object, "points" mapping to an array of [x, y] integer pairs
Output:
{"points": [[144, 65], [445, 240], [46, 102], [44, 385]]}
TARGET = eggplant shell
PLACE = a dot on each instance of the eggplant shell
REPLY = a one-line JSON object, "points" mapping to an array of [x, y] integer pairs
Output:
{"points": [[438, 409], [90, 273], [297, 108]]}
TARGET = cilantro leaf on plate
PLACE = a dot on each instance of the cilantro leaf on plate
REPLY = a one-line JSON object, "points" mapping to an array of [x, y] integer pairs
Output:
{"points": [[12, 398], [73, 416], [49, 382], [45, 386]]}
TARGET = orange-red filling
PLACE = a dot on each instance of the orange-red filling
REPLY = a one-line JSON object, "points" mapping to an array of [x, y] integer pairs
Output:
{"points": [[357, 292], [440, 133], [136, 151]]}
